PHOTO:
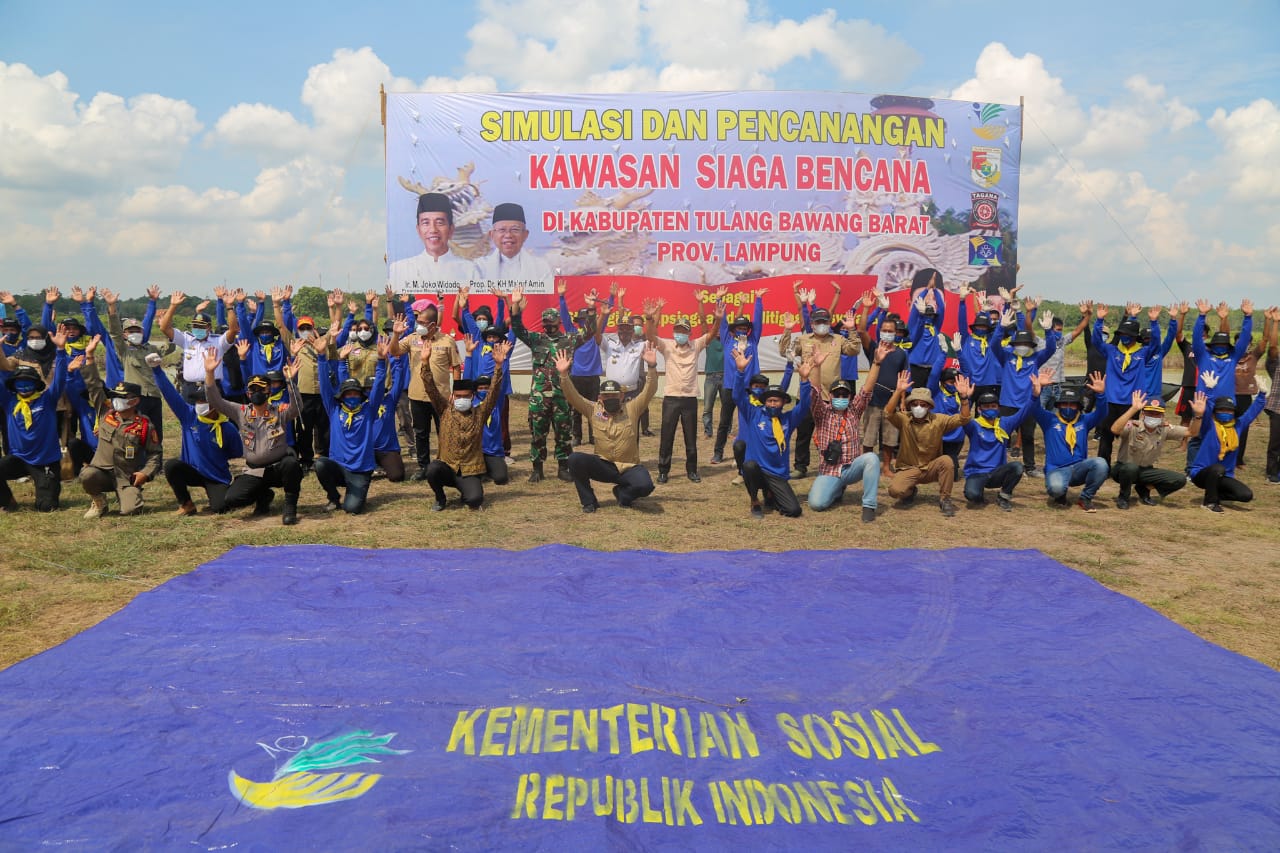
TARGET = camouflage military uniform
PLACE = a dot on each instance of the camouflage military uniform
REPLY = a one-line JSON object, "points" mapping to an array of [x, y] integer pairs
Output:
{"points": [[548, 409]]}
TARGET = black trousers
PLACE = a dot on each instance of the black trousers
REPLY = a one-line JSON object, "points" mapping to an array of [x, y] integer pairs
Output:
{"points": [[1027, 429], [1243, 402], [424, 417], [1218, 487], [496, 468], [779, 490], [440, 477], [728, 408], [1129, 475], [391, 462], [682, 411], [739, 453], [46, 478], [246, 488], [1003, 477], [311, 432], [182, 477], [632, 483], [153, 408], [804, 439], [1114, 411], [920, 374], [588, 387], [1273, 445]]}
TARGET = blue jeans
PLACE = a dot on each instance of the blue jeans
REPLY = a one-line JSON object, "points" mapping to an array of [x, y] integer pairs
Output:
{"points": [[826, 489], [332, 475], [1092, 472], [1003, 477], [1049, 396], [710, 390]]}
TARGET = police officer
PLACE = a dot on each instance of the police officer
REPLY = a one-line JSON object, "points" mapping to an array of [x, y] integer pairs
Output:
{"points": [[128, 454]]}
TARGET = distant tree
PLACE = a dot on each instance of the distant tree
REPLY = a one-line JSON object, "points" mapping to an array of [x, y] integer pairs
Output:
{"points": [[309, 301]]}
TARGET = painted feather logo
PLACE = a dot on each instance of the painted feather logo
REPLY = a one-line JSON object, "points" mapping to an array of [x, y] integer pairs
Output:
{"points": [[986, 114], [295, 785]]}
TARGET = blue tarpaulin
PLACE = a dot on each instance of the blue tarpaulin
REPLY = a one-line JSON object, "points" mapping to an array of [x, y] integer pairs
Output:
{"points": [[324, 698]]}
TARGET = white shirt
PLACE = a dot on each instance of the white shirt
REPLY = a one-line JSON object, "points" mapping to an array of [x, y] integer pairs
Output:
{"points": [[622, 364], [193, 352], [427, 273], [525, 269]]}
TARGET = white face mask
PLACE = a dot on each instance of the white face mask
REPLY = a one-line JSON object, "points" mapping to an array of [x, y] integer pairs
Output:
{"points": [[918, 411], [888, 337], [306, 334], [134, 338], [36, 344], [481, 324], [1023, 351], [202, 409], [821, 329], [1152, 423], [421, 329], [462, 404], [119, 403], [364, 335]]}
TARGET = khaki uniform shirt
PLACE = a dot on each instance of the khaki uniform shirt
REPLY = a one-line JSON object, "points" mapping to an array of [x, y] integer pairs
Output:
{"points": [[444, 357], [681, 365], [125, 448], [920, 442], [134, 358], [1141, 446], [617, 435], [833, 345], [265, 439]]}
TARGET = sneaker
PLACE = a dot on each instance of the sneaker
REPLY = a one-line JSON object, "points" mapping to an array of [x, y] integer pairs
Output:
{"points": [[1033, 473], [331, 506], [662, 477], [1122, 503], [1086, 504], [980, 503], [419, 475], [589, 508], [736, 481], [947, 507], [1147, 500], [756, 510], [707, 434], [800, 473], [717, 459], [1212, 507], [1005, 502], [97, 508], [437, 506], [1061, 500], [187, 508], [1015, 453], [868, 514], [694, 477], [1274, 479], [907, 501]]}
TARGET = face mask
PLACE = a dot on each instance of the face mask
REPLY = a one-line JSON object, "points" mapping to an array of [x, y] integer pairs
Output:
{"points": [[757, 392], [950, 389], [979, 332], [821, 329], [839, 403], [73, 336], [25, 387], [202, 409], [612, 405], [199, 334], [1068, 413], [1126, 340], [1220, 351], [918, 411], [741, 337], [422, 330], [773, 412], [637, 330], [482, 323], [364, 336], [306, 334], [989, 414], [480, 395], [462, 404], [37, 344], [1152, 423], [257, 397], [352, 403], [681, 338], [1023, 351], [888, 337], [1224, 417], [119, 404], [550, 328], [11, 337], [266, 339]]}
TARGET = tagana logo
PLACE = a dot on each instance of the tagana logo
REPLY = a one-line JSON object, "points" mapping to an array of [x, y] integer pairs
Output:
{"points": [[294, 784], [986, 114]]}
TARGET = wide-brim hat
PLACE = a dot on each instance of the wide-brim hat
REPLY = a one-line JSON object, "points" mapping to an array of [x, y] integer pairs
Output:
{"points": [[266, 326], [982, 321], [920, 395], [1022, 338], [777, 391], [988, 397], [482, 381], [499, 331], [275, 376], [1220, 339], [351, 385], [1128, 326], [124, 390], [1070, 394], [758, 379], [25, 371]]}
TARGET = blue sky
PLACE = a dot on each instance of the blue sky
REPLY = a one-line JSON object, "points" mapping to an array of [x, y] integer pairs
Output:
{"points": [[1169, 113]]}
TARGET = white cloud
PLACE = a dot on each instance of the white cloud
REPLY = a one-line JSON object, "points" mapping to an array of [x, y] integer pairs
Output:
{"points": [[53, 139], [1250, 137], [1128, 124]]}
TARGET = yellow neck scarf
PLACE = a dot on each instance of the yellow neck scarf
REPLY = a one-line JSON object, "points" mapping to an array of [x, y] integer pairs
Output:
{"points": [[779, 435], [1128, 352], [78, 345], [1017, 362], [267, 350], [1001, 435], [351, 414], [215, 420], [276, 397], [1070, 432], [24, 407], [1228, 438], [982, 345]]}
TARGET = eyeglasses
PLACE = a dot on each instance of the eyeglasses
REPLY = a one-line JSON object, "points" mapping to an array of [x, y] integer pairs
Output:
{"points": [[508, 232]]}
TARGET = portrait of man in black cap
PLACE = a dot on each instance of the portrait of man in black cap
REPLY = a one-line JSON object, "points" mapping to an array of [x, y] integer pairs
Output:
{"points": [[436, 269], [511, 265]]}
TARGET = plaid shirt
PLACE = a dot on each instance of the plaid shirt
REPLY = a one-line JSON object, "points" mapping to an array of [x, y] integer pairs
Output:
{"points": [[827, 424], [1273, 399]]}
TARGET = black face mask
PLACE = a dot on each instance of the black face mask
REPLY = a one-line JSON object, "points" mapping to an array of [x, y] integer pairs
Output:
{"points": [[258, 398], [613, 405]]}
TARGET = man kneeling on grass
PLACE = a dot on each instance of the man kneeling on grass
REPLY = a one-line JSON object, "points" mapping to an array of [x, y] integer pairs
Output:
{"points": [[460, 459], [920, 456], [1140, 443], [766, 430], [836, 435], [616, 423]]}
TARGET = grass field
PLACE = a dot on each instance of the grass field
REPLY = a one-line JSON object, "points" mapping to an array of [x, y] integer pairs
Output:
{"points": [[1217, 575]]}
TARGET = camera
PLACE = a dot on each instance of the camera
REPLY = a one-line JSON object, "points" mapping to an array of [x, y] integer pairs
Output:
{"points": [[831, 454]]}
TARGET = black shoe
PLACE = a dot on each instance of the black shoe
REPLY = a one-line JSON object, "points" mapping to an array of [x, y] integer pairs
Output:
{"points": [[694, 477], [717, 459], [1147, 500], [562, 472], [947, 507], [419, 475], [647, 433], [536, 476], [590, 507], [331, 506], [290, 515], [800, 473], [662, 477], [1060, 501], [1033, 473], [908, 500], [756, 511], [438, 506], [1086, 504], [868, 514], [1212, 507], [1122, 503], [262, 505], [1005, 502], [616, 495]]}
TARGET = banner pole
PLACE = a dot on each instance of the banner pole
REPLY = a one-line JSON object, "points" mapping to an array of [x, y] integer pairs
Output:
{"points": [[382, 96]]}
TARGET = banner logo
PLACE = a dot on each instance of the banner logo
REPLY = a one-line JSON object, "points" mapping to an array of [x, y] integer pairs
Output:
{"points": [[984, 210], [986, 114], [984, 166], [294, 786], [984, 251]]}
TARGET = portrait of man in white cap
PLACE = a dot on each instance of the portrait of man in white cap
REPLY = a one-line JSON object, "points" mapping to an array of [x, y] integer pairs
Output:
{"points": [[511, 265], [436, 269]]}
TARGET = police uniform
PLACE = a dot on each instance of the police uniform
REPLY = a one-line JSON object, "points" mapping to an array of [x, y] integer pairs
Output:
{"points": [[124, 449]]}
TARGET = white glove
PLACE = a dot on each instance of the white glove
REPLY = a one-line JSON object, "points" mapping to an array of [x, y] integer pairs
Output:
{"points": [[1210, 380], [1008, 318], [1006, 295], [919, 304], [1046, 320], [956, 341], [153, 359], [883, 302]]}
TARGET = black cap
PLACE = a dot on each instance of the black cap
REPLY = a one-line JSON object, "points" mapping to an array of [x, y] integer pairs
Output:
{"points": [[982, 321], [195, 393], [10, 321], [388, 326], [988, 397], [482, 381], [1224, 403], [25, 371], [841, 385], [483, 311], [1070, 394], [275, 376], [499, 331], [777, 391], [1128, 326], [1220, 339], [948, 374], [351, 385], [464, 385], [758, 379], [508, 212], [610, 386], [741, 320], [435, 203], [72, 320], [819, 314], [125, 390]]}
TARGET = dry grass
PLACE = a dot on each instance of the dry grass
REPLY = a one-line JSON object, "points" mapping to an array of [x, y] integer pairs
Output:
{"points": [[1218, 575]]}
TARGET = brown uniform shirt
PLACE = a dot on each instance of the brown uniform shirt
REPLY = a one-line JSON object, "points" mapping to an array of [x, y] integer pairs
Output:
{"points": [[833, 345], [126, 447], [444, 357], [265, 441], [617, 435], [1142, 447], [920, 442]]}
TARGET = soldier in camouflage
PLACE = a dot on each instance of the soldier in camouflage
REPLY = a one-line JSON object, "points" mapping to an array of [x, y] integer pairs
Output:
{"points": [[548, 409]]}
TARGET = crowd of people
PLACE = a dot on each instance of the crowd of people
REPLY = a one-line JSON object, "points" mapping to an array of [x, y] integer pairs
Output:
{"points": [[262, 403]]}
